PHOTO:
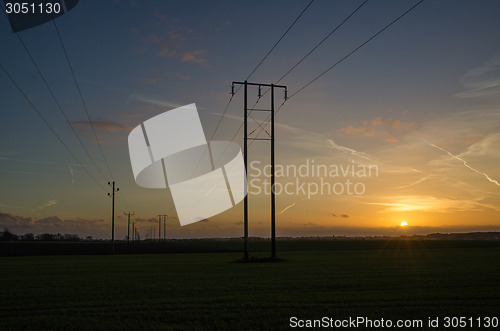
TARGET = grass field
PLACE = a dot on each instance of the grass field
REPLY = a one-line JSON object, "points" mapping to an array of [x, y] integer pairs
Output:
{"points": [[402, 280]]}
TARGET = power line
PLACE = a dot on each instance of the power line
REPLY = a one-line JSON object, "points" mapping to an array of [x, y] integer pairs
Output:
{"points": [[223, 114], [123, 201], [357, 48], [279, 40], [48, 124], [55, 99], [85, 105], [61, 109], [345, 57], [260, 63], [315, 47], [81, 97], [266, 121], [322, 41], [58, 103], [233, 92]]}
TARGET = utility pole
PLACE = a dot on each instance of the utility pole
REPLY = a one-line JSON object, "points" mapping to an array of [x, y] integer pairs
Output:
{"points": [[159, 228], [273, 197], [128, 227], [160, 217], [112, 195], [245, 158], [133, 231]]}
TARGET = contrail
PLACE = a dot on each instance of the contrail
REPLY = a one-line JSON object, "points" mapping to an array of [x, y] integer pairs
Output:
{"points": [[465, 163], [284, 210], [72, 175], [421, 180]]}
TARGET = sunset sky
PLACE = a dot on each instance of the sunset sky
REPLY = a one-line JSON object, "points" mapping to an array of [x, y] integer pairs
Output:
{"points": [[420, 103]]}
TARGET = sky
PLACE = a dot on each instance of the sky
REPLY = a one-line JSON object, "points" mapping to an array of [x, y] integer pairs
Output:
{"points": [[406, 129]]}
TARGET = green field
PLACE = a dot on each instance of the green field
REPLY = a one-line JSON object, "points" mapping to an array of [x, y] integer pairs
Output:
{"points": [[402, 280]]}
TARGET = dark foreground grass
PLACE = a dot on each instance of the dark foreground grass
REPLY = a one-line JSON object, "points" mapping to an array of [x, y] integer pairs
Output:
{"points": [[208, 291]]}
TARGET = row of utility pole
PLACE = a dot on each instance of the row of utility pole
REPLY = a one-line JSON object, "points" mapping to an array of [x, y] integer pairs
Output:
{"points": [[135, 234]]}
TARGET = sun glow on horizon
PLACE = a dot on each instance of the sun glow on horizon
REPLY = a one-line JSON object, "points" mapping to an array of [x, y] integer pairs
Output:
{"points": [[404, 224]]}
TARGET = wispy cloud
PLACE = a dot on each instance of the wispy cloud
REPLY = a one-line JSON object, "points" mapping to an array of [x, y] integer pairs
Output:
{"points": [[304, 139], [483, 81], [104, 126], [174, 43], [49, 203], [494, 181], [72, 172], [286, 208], [341, 215], [154, 77], [238, 118], [429, 203], [487, 145], [106, 131], [378, 126], [153, 38], [233, 117], [154, 101], [419, 181], [194, 57]]}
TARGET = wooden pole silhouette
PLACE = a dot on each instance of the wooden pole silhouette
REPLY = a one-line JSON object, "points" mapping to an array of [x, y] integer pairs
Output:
{"points": [[112, 195], [159, 227], [273, 198], [245, 156], [160, 217], [128, 226]]}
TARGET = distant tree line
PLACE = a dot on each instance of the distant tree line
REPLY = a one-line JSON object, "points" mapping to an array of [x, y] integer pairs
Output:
{"points": [[6, 235]]}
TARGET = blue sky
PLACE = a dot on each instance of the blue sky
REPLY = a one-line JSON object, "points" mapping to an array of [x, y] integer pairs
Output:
{"points": [[420, 101]]}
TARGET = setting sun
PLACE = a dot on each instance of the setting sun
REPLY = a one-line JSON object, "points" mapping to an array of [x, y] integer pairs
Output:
{"points": [[404, 224]]}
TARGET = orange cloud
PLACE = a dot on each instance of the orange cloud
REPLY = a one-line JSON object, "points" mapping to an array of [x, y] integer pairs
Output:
{"points": [[378, 121], [105, 126], [195, 57], [153, 39], [362, 130], [378, 125], [166, 51], [177, 37], [173, 44], [389, 137]]}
